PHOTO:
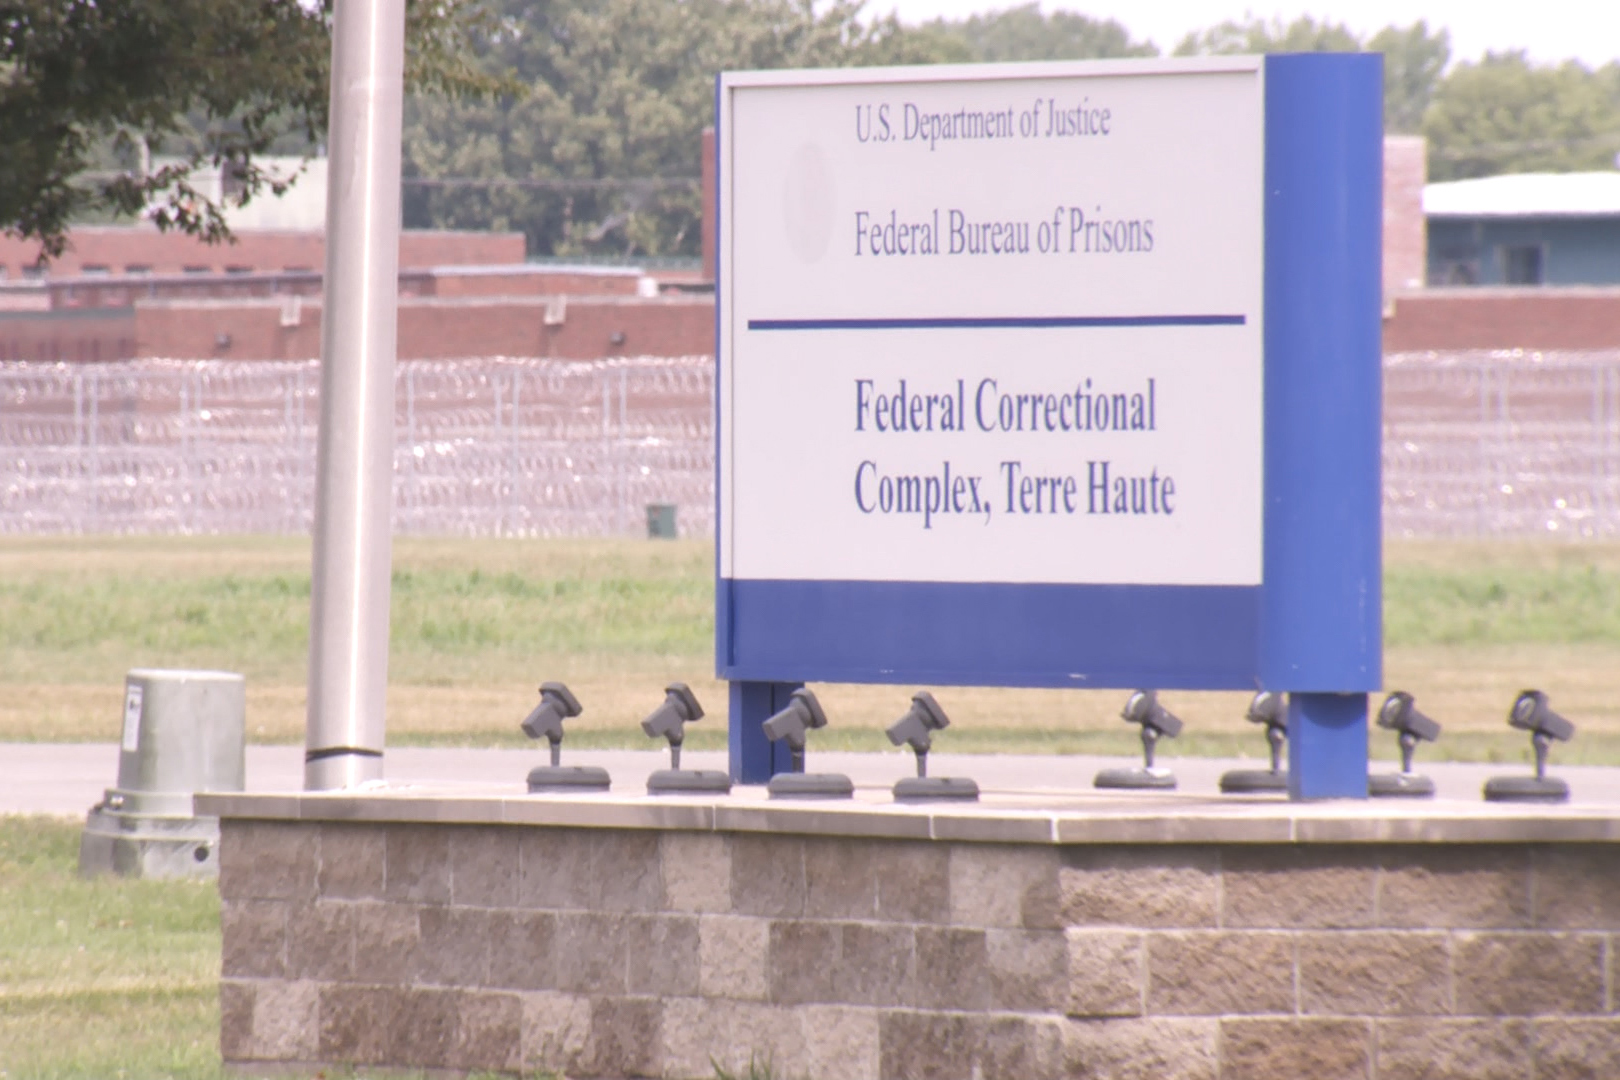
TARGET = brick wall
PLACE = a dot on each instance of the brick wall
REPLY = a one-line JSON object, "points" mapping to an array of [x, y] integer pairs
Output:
{"points": [[115, 249], [461, 323], [633, 952], [706, 171], [590, 328], [528, 281], [49, 337], [1527, 318], [61, 293]]}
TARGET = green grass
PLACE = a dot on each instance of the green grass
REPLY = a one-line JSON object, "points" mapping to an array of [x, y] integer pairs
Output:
{"points": [[60, 616], [109, 978], [476, 624], [1501, 605], [106, 978]]}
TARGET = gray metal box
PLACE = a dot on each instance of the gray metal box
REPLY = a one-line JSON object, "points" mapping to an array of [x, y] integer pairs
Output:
{"points": [[183, 732]]}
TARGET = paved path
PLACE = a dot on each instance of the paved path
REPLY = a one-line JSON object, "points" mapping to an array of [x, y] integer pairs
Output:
{"points": [[68, 778]]}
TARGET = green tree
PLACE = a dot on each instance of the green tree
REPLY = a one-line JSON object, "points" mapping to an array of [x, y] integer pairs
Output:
{"points": [[1025, 33], [221, 80], [1253, 35], [1414, 56], [600, 152], [1504, 114], [1415, 59]]}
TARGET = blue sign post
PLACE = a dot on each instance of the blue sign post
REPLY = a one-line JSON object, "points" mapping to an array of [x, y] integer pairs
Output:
{"points": [[1089, 398]]}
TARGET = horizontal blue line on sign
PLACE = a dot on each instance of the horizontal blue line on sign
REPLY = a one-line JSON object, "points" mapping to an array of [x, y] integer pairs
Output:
{"points": [[997, 322]]}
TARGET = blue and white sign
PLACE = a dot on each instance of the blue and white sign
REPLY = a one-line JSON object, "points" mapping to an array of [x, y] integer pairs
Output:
{"points": [[1018, 319], [1051, 375]]}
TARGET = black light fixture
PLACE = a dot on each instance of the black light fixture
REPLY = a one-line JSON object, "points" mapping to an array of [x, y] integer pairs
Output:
{"points": [[1399, 714], [558, 703], [669, 721], [802, 715], [915, 729], [1267, 708], [1531, 713], [1157, 722]]}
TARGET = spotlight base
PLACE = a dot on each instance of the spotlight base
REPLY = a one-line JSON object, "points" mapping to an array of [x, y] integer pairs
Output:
{"points": [[935, 789], [1136, 779], [544, 778], [791, 785], [689, 782], [1253, 782], [1542, 789], [1400, 785]]}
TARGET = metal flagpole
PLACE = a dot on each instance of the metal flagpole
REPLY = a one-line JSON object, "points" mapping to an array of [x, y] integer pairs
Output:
{"points": [[348, 639]]}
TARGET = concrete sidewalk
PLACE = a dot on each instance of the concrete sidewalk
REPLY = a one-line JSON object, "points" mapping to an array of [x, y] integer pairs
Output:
{"points": [[68, 778]]}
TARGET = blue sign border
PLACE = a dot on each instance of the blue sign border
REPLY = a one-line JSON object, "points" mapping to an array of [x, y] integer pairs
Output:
{"points": [[1314, 626]]}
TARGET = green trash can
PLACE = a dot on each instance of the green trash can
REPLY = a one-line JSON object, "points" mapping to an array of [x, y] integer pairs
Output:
{"points": [[660, 521]]}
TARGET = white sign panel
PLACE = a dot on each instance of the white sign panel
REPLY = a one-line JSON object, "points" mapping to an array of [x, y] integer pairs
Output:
{"points": [[995, 324]]}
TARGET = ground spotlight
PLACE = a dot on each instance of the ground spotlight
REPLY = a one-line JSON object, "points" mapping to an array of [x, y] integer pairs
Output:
{"points": [[916, 729], [1531, 713], [669, 721], [558, 703], [1269, 709], [1157, 722], [1399, 714], [802, 715]]}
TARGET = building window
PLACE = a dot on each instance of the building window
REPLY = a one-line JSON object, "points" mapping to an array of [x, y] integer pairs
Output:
{"points": [[34, 272], [199, 269], [232, 180], [1521, 265], [1454, 266], [2, 271], [138, 268], [95, 270], [239, 269]]}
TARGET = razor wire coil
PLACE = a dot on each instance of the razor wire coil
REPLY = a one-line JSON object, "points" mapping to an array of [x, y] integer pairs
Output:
{"points": [[1511, 444]]}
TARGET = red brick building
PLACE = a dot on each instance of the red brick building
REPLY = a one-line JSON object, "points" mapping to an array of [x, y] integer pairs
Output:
{"points": [[1503, 318], [122, 293], [434, 328], [120, 250]]}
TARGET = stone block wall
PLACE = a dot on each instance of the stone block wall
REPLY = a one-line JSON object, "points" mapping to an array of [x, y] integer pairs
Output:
{"points": [[647, 953]]}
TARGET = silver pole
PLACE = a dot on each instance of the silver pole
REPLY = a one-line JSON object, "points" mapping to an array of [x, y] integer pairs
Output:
{"points": [[348, 633]]}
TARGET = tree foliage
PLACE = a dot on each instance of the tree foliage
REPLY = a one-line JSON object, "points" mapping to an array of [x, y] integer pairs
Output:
{"points": [[600, 151], [1414, 56], [1253, 35], [220, 80], [600, 154], [577, 121], [1415, 60], [1025, 33], [1506, 114], [1501, 113]]}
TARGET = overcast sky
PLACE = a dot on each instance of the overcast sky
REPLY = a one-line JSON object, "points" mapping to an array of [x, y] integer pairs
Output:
{"points": [[1587, 30]]}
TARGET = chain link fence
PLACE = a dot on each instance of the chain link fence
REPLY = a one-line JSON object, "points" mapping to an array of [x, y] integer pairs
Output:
{"points": [[1502, 444], [485, 447], [1475, 444]]}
